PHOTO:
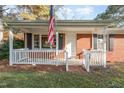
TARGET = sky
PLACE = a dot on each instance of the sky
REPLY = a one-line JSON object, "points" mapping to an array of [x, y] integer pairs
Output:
{"points": [[80, 12]]}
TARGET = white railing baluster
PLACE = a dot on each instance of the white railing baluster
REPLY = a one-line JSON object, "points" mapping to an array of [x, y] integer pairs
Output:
{"points": [[30, 57], [47, 55]]}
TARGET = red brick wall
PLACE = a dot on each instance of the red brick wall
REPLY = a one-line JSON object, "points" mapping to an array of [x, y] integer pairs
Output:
{"points": [[84, 41], [117, 55]]}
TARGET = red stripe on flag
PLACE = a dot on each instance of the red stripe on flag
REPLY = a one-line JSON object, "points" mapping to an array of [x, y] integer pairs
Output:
{"points": [[51, 26], [51, 31]]}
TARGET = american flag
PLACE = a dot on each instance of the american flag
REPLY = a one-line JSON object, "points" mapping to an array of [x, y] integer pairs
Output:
{"points": [[51, 28]]}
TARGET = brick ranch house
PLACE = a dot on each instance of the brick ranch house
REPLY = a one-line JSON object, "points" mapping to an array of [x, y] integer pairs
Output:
{"points": [[71, 35]]}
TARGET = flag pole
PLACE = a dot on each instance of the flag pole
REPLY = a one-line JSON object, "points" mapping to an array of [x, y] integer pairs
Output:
{"points": [[56, 33], [57, 38]]}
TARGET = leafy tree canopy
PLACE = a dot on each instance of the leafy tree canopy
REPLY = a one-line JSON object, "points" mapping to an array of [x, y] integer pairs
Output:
{"points": [[27, 12], [114, 13], [34, 12]]}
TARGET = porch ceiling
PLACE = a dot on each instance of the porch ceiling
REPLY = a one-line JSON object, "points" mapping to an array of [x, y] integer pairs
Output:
{"points": [[60, 23], [75, 29], [115, 30], [62, 29]]}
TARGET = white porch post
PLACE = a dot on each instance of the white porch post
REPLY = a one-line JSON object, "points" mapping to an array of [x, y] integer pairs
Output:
{"points": [[104, 36], [57, 41], [57, 47], [10, 46]]}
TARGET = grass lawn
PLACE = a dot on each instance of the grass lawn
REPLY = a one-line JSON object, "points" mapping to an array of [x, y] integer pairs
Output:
{"points": [[112, 76]]}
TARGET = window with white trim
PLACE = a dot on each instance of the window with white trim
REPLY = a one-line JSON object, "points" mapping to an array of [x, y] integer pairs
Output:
{"points": [[41, 41], [45, 43], [36, 41], [100, 42]]}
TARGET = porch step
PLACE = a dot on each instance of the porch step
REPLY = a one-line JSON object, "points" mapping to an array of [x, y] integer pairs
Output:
{"points": [[74, 62]]}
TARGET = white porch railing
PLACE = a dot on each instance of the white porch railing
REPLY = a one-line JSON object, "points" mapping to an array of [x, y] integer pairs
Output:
{"points": [[37, 56], [94, 58], [47, 56]]}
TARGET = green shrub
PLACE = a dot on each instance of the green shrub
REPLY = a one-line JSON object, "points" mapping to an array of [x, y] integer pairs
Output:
{"points": [[4, 49]]}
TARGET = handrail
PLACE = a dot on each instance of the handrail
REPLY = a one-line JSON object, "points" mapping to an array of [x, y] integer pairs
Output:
{"points": [[37, 50]]}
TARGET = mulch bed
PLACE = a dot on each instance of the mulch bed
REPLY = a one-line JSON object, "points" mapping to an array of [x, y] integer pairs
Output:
{"points": [[5, 67]]}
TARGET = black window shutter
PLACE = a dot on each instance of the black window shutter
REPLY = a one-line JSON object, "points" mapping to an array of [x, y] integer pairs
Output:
{"points": [[24, 40], [107, 42], [111, 42], [29, 40], [95, 41], [61, 41]]}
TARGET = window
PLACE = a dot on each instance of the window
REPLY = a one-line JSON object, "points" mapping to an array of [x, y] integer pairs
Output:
{"points": [[36, 41], [45, 43], [100, 42], [61, 41], [42, 41], [100, 38]]}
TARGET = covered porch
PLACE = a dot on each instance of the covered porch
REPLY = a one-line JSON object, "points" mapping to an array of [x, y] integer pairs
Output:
{"points": [[34, 56], [36, 52]]}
